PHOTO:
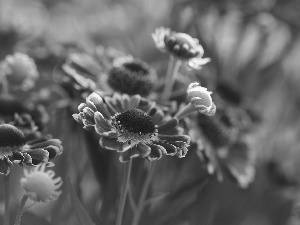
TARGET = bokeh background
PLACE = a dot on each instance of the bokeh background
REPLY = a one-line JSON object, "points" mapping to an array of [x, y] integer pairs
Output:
{"points": [[254, 45]]}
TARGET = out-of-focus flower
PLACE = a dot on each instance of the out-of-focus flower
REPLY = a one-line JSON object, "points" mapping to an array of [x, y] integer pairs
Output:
{"points": [[131, 76], [227, 145], [16, 148], [40, 185], [199, 100], [72, 79], [181, 46], [12, 106], [133, 126], [20, 71]]}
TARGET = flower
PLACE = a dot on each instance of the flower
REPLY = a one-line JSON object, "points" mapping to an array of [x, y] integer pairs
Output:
{"points": [[131, 76], [17, 148], [199, 100], [71, 79], [228, 145], [133, 126], [39, 185], [181, 46], [20, 71]]}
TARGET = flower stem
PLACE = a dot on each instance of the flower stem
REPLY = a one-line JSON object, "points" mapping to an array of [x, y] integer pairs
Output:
{"points": [[173, 68], [124, 191], [7, 198], [142, 200], [21, 210]]}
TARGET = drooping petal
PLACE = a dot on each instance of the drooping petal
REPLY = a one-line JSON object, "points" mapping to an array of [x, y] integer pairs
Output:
{"points": [[129, 154], [111, 144], [53, 151], [144, 150], [156, 152], [38, 156], [170, 149]]}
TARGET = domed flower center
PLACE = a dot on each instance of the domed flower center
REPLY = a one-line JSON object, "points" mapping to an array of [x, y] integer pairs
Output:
{"points": [[131, 76], [182, 38], [182, 45], [136, 67], [135, 121], [11, 139]]}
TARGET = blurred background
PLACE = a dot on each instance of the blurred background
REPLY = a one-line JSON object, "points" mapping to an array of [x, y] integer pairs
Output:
{"points": [[254, 47]]}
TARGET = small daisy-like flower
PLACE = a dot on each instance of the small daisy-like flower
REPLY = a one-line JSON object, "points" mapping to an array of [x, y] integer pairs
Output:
{"points": [[40, 185], [20, 71], [181, 46], [131, 76], [199, 100], [133, 126], [17, 148]]}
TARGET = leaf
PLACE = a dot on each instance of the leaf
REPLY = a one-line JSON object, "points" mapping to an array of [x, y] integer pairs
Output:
{"points": [[81, 213]]}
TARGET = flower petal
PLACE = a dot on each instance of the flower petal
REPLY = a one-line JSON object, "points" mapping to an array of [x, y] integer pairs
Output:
{"points": [[175, 138], [126, 101], [5, 166], [170, 124], [111, 144], [38, 156], [129, 154], [170, 149], [144, 150], [134, 101], [156, 152], [101, 122]]}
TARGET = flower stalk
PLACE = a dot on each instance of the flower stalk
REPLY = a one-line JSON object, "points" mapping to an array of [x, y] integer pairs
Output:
{"points": [[173, 69], [124, 192], [142, 199], [7, 199], [21, 210]]}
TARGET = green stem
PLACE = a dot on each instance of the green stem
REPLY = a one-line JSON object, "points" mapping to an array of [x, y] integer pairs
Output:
{"points": [[7, 199], [21, 210], [142, 200], [172, 73], [124, 191]]}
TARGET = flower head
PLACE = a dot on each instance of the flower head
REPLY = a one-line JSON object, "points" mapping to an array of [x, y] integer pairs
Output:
{"points": [[30, 149], [20, 71], [40, 185], [133, 126], [201, 99], [181, 46], [131, 76], [11, 139]]}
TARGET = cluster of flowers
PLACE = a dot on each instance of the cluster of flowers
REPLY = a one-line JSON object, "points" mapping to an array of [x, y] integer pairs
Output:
{"points": [[129, 118], [21, 129], [134, 116]]}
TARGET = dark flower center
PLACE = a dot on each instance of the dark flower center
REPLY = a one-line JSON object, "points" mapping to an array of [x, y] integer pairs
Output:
{"points": [[181, 45], [136, 68], [11, 136], [131, 76], [136, 121]]}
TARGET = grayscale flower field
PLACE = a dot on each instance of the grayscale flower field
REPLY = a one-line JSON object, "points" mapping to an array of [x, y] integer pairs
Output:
{"points": [[138, 112]]}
